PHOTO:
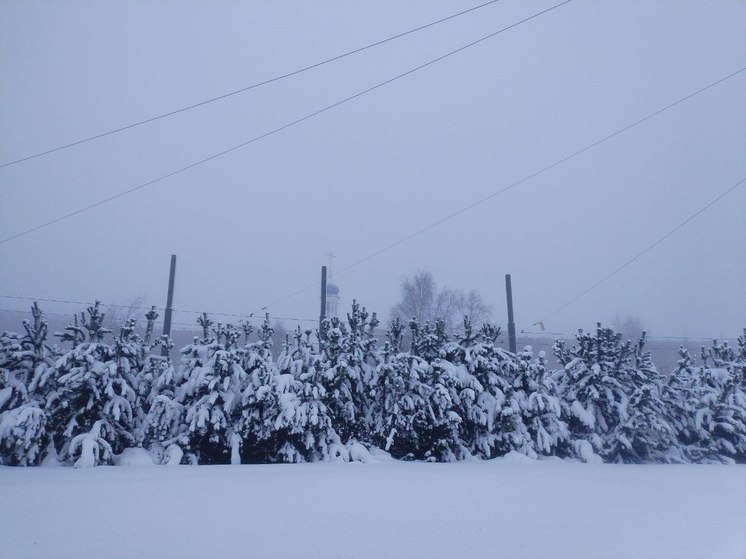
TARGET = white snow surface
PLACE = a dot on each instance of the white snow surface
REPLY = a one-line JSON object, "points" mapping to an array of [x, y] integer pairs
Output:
{"points": [[511, 507], [134, 457]]}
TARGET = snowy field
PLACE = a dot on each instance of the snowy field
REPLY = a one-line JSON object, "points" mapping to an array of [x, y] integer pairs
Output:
{"points": [[509, 507]]}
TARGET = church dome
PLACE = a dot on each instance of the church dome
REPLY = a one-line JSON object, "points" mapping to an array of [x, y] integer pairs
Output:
{"points": [[332, 289]]}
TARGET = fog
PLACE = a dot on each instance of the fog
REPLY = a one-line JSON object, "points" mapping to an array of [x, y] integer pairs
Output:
{"points": [[254, 226]]}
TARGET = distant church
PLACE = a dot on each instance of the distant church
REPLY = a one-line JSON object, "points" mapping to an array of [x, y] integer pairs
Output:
{"points": [[332, 299], [332, 292]]}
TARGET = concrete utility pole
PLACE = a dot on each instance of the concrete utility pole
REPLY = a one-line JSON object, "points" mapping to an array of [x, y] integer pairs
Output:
{"points": [[511, 323], [169, 304], [322, 314]]}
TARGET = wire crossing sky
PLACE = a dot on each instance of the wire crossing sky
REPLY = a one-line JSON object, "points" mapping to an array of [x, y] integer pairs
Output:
{"points": [[275, 130], [256, 225], [250, 87], [526, 179], [136, 307], [639, 254]]}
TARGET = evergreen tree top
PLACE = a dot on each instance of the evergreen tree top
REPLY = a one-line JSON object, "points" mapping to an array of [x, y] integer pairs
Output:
{"points": [[36, 332], [90, 327]]}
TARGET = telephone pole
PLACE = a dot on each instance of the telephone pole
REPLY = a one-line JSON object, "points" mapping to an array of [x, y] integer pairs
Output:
{"points": [[322, 314], [511, 323], [169, 304]]}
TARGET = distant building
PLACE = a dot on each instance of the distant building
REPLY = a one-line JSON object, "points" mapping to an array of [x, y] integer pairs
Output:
{"points": [[332, 292], [332, 299]]}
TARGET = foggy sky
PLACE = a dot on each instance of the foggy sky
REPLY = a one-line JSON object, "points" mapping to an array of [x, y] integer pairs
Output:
{"points": [[253, 226]]}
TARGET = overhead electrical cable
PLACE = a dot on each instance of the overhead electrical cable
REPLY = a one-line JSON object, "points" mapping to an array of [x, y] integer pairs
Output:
{"points": [[281, 128], [147, 308], [195, 326], [509, 187], [568, 335], [639, 254], [250, 87]]}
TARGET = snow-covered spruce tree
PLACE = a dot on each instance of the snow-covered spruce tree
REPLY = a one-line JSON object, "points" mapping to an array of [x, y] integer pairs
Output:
{"points": [[541, 406], [730, 418], [23, 435], [705, 389], [362, 350], [166, 433], [441, 440], [213, 381], [158, 377], [286, 386], [702, 403], [498, 371], [92, 409], [489, 406], [595, 387], [13, 389], [646, 435], [14, 371], [166, 423], [725, 404], [130, 353], [149, 371], [719, 356], [346, 359], [741, 355], [38, 356], [258, 398], [23, 360], [303, 430], [164, 428], [400, 410], [428, 340], [680, 396]]}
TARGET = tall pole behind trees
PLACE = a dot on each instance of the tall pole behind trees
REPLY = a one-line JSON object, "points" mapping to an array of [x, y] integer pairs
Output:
{"points": [[322, 314], [169, 304], [511, 323]]}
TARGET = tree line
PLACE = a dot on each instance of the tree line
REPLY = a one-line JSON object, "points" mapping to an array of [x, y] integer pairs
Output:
{"points": [[333, 393]]}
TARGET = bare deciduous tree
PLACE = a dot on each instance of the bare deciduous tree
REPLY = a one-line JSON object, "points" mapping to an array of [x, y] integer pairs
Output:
{"points": [[117, 315], [630, 327], [472, 305], [421, 299]]}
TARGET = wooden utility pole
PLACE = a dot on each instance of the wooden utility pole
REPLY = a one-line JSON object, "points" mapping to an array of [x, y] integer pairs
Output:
{"points": [[511, 323], [322, 314], [169, 304]]}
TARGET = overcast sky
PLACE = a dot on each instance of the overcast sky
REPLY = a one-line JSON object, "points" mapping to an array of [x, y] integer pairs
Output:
{"points": [[253, 226]]}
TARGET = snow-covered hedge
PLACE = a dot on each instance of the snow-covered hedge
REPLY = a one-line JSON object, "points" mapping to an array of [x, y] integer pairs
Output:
{"points": [[334, 395]]}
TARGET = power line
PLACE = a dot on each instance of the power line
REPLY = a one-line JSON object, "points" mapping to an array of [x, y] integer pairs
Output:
{"points": [[454, 214], [147, 308], [185, 326], [644, 251], [380, 334], [64, 301], [527, 334], [248, 316], [281, 128], [250, 87], [510, 186]]}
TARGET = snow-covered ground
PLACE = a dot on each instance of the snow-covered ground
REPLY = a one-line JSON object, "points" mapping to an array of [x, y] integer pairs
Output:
{"points": [[510, 507]]}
